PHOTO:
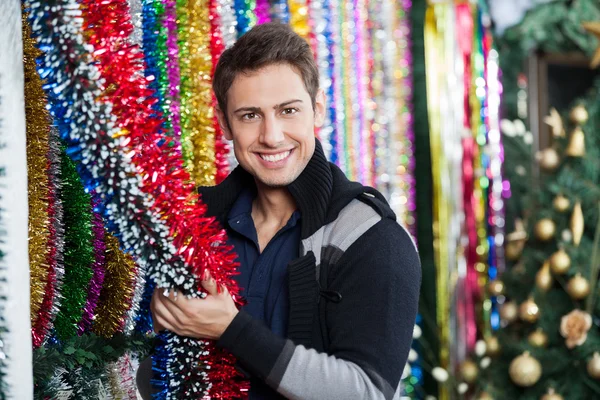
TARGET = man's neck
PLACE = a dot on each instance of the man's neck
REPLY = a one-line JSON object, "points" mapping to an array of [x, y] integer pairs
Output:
{"points": [[272, 206]]}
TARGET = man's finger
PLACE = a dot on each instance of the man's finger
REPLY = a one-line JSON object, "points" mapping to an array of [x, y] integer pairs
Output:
{"points": [[209, 284]]}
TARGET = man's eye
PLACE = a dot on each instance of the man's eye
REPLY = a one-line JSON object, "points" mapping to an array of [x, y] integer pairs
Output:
{"points": [[249, 116], [289, 111]]}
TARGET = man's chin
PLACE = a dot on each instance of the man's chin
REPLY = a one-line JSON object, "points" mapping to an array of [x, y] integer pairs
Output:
{"points": [[275, 182]]}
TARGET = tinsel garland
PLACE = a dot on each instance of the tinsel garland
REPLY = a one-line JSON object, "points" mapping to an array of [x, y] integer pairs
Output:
{"points": [[37, 176], [216, 49], [300, 21], [79, 250], [403, 192], [338, 106], [117, 291], [165, 179], [121, 377], [52, 298], [246, 17], [262, 12], [44, 168], [98, 268], [198, 134], [320, 14], [171, 62]]}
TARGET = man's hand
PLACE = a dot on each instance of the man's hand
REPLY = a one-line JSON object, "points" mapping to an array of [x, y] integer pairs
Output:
{"points": [[198, 318]]}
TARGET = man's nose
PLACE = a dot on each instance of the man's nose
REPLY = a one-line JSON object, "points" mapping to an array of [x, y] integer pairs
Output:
{"points": [[272, 132]]}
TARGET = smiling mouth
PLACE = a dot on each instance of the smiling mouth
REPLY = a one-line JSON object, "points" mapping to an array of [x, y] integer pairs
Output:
{"points": [[275, 157]]}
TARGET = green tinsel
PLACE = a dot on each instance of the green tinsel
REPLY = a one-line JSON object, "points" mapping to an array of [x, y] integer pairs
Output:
{"points": [[424, 196], [79, 250]]}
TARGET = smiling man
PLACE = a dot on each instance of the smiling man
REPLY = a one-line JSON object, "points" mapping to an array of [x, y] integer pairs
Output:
{"points": [[330, 278]]}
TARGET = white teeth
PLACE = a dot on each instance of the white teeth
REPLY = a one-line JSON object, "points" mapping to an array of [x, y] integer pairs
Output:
{"points": [[275, 157]]}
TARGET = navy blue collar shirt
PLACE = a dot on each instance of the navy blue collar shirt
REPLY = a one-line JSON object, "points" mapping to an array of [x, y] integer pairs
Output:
{"points": [[263, 277]]}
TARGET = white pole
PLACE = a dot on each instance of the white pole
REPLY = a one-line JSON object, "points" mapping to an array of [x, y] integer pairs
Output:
{"points": [[13, 201]]}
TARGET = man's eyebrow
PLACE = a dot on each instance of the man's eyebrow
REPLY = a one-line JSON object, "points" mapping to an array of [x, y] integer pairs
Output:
{"points": [[287, 103], [248, 109]]}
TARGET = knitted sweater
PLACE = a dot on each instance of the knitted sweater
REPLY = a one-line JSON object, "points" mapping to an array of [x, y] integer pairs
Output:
{"points": [[353, 292]]}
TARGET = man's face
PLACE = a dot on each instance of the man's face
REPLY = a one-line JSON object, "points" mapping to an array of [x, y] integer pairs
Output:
{"points": [[271, 121]]}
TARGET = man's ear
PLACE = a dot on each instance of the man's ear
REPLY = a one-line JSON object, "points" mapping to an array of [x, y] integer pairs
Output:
{"points": [[222, 118], [320, 108]]}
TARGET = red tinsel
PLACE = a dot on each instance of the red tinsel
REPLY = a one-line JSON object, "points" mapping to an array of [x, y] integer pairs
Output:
{"points": [[216, 49], [199, 239]]}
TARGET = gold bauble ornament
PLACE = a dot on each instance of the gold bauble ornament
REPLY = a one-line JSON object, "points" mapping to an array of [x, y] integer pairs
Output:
{"points": [[544, 229], [538, 338], [577, 224], [509, 312], [560, 262], [513, 250], [515, 241], [578, 287], [543, 278], [548, 159], [579, 115], [485, 396], [555, 122], [469, 371], [576, 146], [525, 370], [593, 366], [496, 287], [561, 203], [552, 395], [529, 311], [492, 346], [594, 29]]}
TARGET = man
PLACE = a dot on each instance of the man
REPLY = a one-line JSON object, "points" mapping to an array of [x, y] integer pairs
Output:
{"points": [[330, 278]]}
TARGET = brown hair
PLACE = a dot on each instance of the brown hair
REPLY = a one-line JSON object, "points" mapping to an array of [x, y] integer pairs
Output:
{"points": [[264, 45]]}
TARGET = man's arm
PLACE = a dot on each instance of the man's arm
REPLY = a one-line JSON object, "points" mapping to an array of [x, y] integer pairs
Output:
{"points": [[370, 329]]}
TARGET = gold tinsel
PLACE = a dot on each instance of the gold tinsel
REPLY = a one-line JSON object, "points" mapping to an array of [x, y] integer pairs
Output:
{"points": [[38, 131], [195, 62], [117, 291], [299, 18]]}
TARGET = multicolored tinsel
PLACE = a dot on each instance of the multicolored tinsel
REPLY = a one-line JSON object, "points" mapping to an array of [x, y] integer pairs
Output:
{"points": [[121, 377], [52, 298], [321, 16], [169, 24], [160, 167], [403, 190], [98, 268], [79, 250]]}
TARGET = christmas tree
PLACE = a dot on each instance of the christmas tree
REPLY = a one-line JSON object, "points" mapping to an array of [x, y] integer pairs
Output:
{"points": [[549, 341]]}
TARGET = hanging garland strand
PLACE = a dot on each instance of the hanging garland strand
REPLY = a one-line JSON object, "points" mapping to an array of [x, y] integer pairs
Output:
{"points": [[52, 298], [37, 176], [117, 292], [198, 133], [98, 268], [216, 49], [79, 250]]}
